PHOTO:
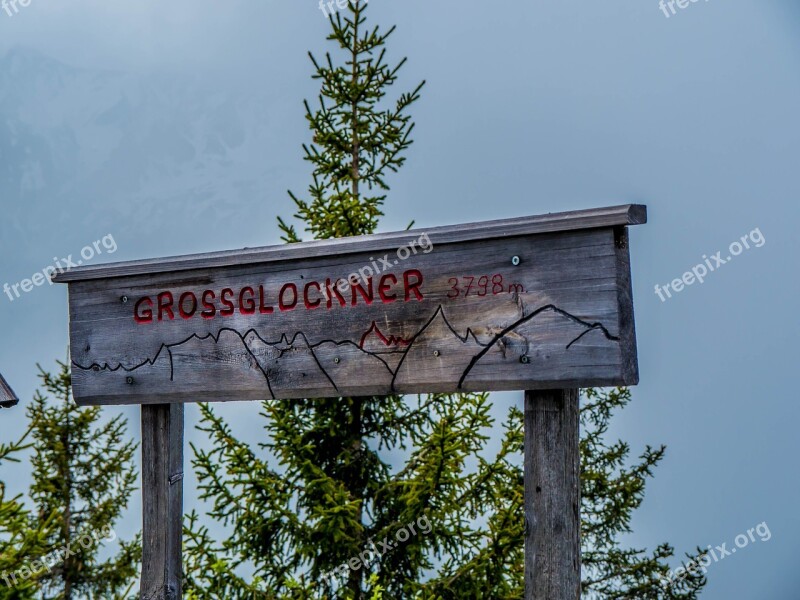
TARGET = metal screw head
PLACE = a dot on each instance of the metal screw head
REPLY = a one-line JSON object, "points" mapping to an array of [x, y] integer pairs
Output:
{"points": [[436, 353], [336, 360], [524, 359], [124, 299], [129, 380], [515, 260]]}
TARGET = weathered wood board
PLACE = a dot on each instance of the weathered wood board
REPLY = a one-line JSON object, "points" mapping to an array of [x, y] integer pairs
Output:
{"points": [[7, 396], [532, 303]]}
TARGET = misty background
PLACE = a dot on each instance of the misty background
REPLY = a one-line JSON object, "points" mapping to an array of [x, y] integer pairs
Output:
{"points": [[177, 128]]}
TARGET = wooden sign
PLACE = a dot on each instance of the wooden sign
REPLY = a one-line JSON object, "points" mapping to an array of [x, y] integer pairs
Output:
{"points": [[541, 304], [531, 303], [7, 396]]}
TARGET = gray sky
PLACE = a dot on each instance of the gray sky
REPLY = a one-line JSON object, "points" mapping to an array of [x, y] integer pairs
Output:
{"points": [[176, 128]]}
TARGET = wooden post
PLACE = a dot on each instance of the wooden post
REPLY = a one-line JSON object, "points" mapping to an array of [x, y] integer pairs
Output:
{"points": [[162, 488], [552, 495]]}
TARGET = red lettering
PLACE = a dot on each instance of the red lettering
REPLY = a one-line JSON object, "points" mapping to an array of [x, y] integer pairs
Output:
{"points": [[336, 292], [226, 312], [264, 310], [189, 304], [208, 303], [165, 301], [247, 306], [146, 315], [384, 287], [412, 287], [281, 303], [367, 294], [309, 304], [186, 314]]}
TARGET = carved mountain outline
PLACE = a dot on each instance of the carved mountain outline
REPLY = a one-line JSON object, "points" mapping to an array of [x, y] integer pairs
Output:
{"points": [[392, 353]]}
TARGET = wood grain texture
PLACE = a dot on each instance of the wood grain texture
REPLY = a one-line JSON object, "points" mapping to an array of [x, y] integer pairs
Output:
{"points": [[162, 506], [552, 495], [627, 328], [627, 214], [7, 396], [527, 312]]}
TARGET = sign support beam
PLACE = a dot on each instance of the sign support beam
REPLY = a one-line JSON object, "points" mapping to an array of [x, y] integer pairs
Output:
{"points": [[552, 495], [162, 506]]}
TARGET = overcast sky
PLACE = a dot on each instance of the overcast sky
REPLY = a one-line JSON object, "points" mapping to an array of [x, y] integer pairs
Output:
{"points": [[530, 107]]}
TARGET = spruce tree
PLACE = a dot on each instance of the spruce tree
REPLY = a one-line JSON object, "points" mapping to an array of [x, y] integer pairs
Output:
{"points": [[83, 473], [612, 488], [322, 489], [21, 543], [359, 138]]}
